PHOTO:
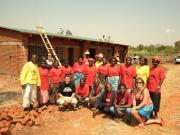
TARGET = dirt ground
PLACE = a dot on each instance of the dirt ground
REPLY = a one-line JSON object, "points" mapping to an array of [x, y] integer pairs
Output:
{"points": [[81, 121]]}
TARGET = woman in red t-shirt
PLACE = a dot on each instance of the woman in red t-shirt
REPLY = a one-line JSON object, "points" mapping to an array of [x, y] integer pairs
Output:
{"points": [[55, 76], [42, 94], [90, 72], [103, 72], [113, 74]]}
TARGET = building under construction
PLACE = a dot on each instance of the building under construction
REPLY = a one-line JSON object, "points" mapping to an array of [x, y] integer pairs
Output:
{"points": [[17, 45]]}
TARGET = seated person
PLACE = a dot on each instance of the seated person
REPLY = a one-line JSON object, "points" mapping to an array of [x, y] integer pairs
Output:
{"points": [[107, 99], [82, 91], [66, 93], [123, 101], [95, 95], [142, 105]]}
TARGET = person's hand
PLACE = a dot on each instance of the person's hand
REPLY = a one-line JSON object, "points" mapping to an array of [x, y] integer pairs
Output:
{"points": [[38, 87], [116, 106], [133, 108], [23, 86]]}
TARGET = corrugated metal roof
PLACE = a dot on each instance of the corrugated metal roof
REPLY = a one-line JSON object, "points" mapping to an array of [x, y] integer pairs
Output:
{"points": [[59, 35]]}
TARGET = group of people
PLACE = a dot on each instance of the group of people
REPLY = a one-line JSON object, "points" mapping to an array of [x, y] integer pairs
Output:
{"points": [[103, 85]]}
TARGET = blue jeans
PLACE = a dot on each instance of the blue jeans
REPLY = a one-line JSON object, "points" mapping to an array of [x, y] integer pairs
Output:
{"points": [[123, 110]]}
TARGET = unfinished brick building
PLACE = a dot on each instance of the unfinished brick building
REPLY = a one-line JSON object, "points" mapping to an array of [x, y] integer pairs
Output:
{"points": [[17, 45]]}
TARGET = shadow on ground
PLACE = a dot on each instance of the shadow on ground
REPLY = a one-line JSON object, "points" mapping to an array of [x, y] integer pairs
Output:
{"points": [[9, 95]]}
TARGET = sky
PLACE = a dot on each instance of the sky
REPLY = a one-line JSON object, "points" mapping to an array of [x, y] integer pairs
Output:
{"points": [[129, 22]]}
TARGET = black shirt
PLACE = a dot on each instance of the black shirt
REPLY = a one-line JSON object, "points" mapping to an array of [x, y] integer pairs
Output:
{"points": [[66, 89]]}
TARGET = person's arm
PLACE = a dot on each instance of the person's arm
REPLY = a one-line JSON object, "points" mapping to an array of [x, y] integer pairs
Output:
{"points": [[134, 100], [102, 91], [24, 74], [144, 101]]}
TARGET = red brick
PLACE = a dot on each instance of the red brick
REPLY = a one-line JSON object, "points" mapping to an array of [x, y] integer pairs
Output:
{"points": [[39, 121], [4, 130], [25, 120], [18, 126]]}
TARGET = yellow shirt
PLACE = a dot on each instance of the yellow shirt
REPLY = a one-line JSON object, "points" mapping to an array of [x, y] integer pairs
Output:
{"points": [[97, 64], [143, 72], [30, 74]]}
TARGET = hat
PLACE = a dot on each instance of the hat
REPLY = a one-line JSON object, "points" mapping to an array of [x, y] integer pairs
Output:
{"points": [[157, 58], [100, 55], [87, 52], [91, 59]]}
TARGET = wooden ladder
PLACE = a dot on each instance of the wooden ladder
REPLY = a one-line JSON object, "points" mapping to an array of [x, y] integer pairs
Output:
{"points": [[47, 43]]}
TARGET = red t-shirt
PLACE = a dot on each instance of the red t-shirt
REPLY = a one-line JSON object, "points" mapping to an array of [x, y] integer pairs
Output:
{"points": [[55, 75], [90, 73], [125, 99], [155, 76], [44, 75], [113, 71], [82, 91], [127, 74], [65, 71], [103, 69], [108, 98], [78, 68]]}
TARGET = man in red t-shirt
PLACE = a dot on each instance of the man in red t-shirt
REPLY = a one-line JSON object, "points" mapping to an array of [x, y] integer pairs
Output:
{"points": [[82, 91], [66, 70], [128, 74], [156, 78], [123, 101]]}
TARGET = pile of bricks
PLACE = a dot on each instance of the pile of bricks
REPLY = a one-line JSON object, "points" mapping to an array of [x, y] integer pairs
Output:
{"points": [[15, 118]]}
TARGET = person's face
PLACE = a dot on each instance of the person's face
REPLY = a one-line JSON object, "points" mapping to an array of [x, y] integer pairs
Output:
{"points": [[80, 60], [49, 57], [155, 62], [43, 64], [128, 61], [113, 62], [122, 90], [109, 89], [82, 82], [67, 80], [34, 59], [99, 58], [141, 62], [104, 61], [66, 64], [56, 64], [87, 55], [91, 62], [139, 84]]}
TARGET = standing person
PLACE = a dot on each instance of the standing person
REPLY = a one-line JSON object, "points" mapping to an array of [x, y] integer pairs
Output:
{"points": [[90, 73], [107, 99], [66, 70], [42, 94], [142, 105], [95, 95], [123, 101], [49, 61], [30, 81], [78, 69], [99, 60], [66, 94], [113, 74], [128, 74], [142, 70], [87, 57], [103, 71], [55, 77], [156, 78], [82, 91]]}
